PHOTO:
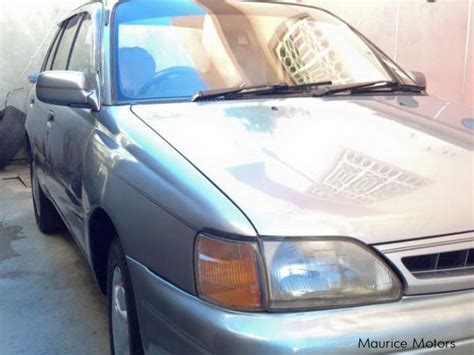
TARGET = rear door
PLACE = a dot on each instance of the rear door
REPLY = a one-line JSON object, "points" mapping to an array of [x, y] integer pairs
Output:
{"points": [[37, 118]]}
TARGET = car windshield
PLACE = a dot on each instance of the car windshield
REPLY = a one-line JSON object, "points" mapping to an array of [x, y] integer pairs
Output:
{"points": [[171, 50]]}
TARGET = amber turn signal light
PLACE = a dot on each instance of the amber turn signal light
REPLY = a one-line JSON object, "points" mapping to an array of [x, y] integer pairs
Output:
{"points": [[227, 273]]}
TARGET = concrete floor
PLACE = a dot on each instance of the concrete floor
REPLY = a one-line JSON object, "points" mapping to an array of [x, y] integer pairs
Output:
{"points": [[49, 301]]}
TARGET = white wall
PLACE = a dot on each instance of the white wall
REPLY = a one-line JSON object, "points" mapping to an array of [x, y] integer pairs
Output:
{"points": [[23, 26]]}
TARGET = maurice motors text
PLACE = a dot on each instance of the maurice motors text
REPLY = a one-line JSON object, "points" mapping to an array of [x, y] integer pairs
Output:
{"points": [[420, 343]]}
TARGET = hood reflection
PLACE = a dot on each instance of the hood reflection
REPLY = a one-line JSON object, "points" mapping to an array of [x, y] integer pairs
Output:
{"points": [[354, 177]]}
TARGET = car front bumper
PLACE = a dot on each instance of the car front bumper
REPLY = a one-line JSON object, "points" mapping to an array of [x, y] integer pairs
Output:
{"points": [[176, 322]]}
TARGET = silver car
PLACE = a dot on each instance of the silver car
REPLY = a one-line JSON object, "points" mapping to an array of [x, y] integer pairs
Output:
{"points": [[253, 177]]}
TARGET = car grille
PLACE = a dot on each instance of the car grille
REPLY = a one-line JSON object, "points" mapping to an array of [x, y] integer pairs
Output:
{"points": [[447, 264], [433, 265]]}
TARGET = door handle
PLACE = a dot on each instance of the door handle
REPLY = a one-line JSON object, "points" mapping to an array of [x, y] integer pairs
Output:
{"points": [[50, 116], [32, 100]]}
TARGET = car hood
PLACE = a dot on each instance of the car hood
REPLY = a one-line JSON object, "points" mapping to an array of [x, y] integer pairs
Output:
{"points": [[381, 168]]}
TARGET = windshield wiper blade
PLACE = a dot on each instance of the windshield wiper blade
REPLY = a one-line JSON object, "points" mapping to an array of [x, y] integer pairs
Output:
{"points": [[216, 93], [255, 90], [371, 86], [392, 86], [307, 86]]}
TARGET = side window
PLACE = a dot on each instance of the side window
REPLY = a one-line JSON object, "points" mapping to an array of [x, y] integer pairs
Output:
{"points": [[62, 53], [82, 56], [51, 50]]}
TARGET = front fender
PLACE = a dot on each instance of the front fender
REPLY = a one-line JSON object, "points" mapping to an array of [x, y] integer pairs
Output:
{"points": [[157, 200]]}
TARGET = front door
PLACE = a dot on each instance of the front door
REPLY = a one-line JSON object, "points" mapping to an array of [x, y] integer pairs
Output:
{"points": [[69, 128]]}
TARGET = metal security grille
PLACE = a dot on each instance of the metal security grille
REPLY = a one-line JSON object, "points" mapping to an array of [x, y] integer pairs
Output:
{"points": [[307, 55], [452, 263]]}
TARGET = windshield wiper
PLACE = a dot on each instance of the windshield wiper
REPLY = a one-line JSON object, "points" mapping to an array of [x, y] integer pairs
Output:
{"points": [[255, 90], [217, 93], [371, 86]]}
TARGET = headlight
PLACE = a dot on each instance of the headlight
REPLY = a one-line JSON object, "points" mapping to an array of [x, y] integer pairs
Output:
{"points": [[326, 273], [301, 274]]}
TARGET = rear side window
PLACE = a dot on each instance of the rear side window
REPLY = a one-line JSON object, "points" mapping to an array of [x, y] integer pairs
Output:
{"points": [[82, 55], [62, 53]]}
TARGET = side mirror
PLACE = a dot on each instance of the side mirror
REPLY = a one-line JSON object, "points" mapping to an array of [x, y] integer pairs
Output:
{"points": [[418, 77], [66, 88]]}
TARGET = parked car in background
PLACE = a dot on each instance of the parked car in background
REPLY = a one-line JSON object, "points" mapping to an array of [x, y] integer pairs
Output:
{"points": [[252, 177]]}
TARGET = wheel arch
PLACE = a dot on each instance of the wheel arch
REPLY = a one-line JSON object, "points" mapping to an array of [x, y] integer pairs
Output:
{"points": [[101, 233]]}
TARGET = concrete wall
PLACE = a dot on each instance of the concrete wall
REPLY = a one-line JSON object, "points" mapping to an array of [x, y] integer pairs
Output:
{"points": [[433, 37]]}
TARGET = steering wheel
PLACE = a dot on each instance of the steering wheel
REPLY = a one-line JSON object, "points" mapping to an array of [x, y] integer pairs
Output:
{"points": [[173, 75]]}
